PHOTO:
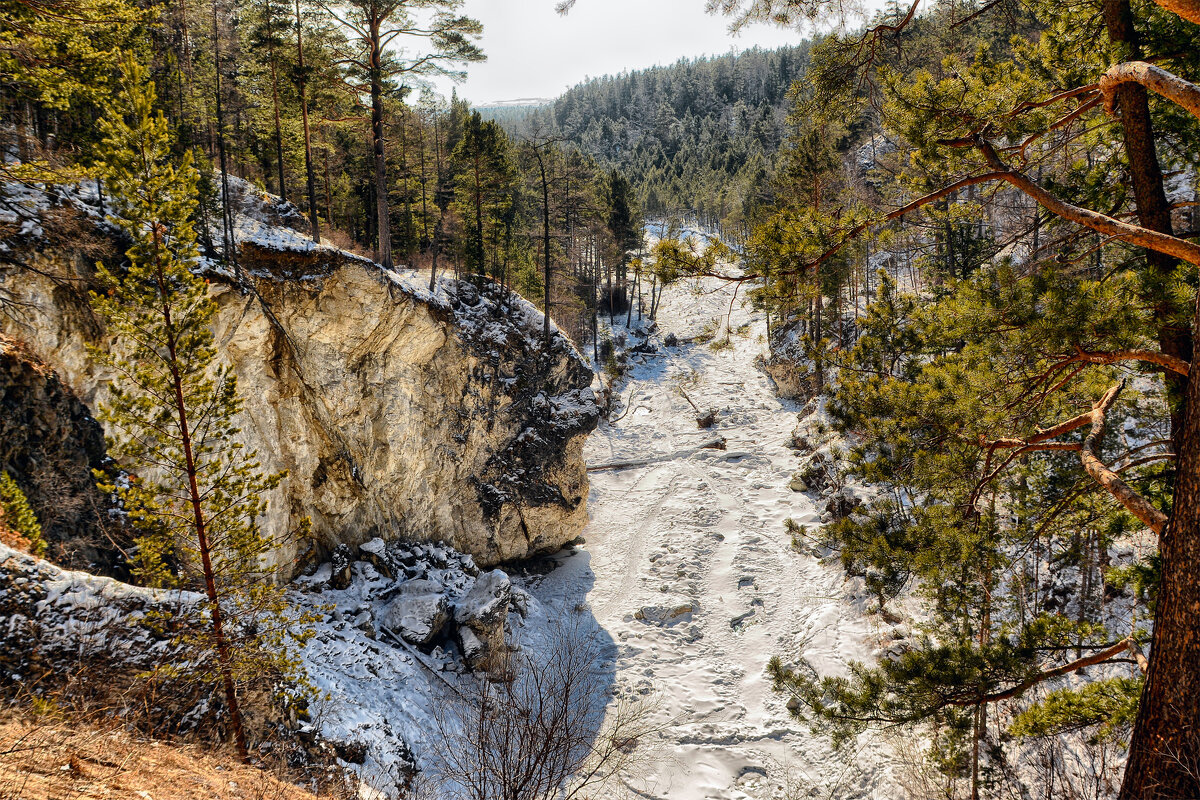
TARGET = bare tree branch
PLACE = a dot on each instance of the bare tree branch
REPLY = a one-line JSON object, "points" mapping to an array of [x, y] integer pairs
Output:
{"points": [[1156, 79], [1137, 505], [1188, 9]]}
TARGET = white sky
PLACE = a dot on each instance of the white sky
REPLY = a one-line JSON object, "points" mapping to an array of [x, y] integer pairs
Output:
{"points": [[534, 52]]}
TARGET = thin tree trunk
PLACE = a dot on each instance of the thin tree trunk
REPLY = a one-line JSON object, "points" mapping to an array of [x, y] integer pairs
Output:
{"points": [[302, 80], [270, 22], [221, 641], [545, 246], [424, 188], [226, 207], [480, 253], [382, 211], [328, 190]]}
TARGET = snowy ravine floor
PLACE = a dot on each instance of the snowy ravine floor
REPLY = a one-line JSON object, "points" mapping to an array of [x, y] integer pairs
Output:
{"points": [[705, 529]]}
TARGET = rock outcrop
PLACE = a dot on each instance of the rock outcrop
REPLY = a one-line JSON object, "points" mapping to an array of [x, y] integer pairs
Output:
{"points": [[397, 412], [50, 444], [91, 639]]}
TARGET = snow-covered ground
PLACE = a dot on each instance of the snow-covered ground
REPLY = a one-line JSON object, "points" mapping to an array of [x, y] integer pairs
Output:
{"points": [[688, 568]]}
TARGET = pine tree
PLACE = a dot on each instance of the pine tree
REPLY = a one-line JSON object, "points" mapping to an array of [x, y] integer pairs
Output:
{"points": [[16, 516], [194, 494], [376, 59], [485, 188]]}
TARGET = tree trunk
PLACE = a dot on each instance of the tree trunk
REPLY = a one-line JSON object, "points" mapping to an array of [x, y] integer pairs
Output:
{"points": [[819, 356], [1153, 211], [302, 80], [220, 640], [328, 190], [480, 255], [228, 239], [382, 212], [270, 22], [408, 221], [424, 188], [1164, 752], [545, 246]]}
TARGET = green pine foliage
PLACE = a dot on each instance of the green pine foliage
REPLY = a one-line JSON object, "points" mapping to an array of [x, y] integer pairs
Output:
{"points": [[1006, 549], [192, 491], [17, 516], [1105, 709], [697, 137], [485, 192]]}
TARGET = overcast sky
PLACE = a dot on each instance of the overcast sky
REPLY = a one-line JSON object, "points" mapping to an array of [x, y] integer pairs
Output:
{"points": [[534, 52]]}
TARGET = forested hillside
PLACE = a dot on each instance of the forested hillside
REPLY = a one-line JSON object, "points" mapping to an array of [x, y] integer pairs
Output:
{"points": [[697, 137]]}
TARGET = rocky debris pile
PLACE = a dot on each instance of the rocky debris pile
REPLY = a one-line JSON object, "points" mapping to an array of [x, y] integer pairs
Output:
{"points": [[425, 595]]}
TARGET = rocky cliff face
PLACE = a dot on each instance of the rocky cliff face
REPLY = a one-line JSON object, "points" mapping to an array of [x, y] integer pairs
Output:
{"points": [[397, 412], [50, 444]]}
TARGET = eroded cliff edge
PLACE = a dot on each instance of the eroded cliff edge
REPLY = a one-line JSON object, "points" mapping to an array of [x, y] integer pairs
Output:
{"points": [[397, 412]]}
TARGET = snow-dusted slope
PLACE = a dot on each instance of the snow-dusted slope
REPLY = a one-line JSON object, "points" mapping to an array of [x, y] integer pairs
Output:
{"points": [[688, 568]]}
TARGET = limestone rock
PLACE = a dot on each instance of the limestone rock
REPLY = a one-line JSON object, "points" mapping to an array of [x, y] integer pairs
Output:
{"points": [[481, 616], [375, 553], [397, 412], [418, 613], [665, 615]]}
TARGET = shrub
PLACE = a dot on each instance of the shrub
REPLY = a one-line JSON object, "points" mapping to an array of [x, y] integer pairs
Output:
{"points": [[18, 518]]}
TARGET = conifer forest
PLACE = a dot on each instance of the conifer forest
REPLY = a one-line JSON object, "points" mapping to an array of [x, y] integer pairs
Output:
{"points": [[799, 407]]}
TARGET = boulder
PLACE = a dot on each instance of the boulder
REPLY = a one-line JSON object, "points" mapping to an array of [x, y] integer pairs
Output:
{"points": [[665, 615], [375, 553], [418, 613], [481, 616], [341, 562]]}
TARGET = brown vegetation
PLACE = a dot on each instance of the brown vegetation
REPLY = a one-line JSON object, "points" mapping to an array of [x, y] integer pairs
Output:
{"points": [[57, 759]]}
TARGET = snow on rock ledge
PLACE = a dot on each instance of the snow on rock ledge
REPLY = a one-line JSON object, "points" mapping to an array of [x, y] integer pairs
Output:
{"points": [[397, 412]]}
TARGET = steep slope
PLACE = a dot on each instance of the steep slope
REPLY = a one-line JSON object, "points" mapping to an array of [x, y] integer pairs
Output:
{"points": [[53, 760], [396, 411], [699, 135]]}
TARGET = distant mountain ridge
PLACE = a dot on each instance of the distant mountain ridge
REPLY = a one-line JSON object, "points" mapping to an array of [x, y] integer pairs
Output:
{"points": [[696, 137]]}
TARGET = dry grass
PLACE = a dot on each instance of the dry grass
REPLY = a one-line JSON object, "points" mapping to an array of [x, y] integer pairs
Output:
{"points": [[62, 760]]}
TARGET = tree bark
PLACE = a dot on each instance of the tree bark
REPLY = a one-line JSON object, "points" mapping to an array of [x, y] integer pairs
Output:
{"points": [[220, 639], [382, 211], [1112, 483], [1164, 752], [302, 80], [545, 246], [1188, 9], [1171, 86], [270, 23], [228, 238], [1153, 210]]}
